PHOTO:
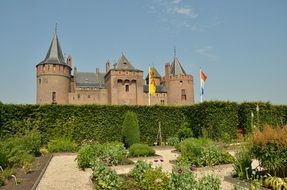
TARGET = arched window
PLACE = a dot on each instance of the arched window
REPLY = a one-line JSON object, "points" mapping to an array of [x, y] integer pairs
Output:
{"points": [[127, 87]]}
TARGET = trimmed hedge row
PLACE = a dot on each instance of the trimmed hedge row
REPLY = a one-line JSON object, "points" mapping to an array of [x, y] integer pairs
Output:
{"points": [[104, 123]]}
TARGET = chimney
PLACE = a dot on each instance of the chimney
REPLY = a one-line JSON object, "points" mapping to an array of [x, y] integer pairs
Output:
{"points": [[69, 60], [107, 66], [167, 71]]}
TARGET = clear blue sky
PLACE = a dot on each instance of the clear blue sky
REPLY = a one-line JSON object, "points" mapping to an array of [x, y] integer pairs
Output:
{"points": [[241, 45]]}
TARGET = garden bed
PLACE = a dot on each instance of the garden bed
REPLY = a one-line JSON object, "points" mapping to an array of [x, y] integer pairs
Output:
{"points": [[28, 181]]}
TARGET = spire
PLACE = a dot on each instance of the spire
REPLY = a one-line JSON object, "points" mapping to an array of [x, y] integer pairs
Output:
{"points": [[54, 54], [176, 68]]}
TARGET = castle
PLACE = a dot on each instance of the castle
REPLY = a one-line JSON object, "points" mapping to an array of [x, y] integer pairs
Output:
{"points": [[121, 84]]}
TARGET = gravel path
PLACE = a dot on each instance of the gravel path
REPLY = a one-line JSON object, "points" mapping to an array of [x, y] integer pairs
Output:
{"points": [[63, 174]]}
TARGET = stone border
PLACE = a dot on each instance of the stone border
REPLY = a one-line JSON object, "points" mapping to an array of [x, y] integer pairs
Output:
{"points": [[34, 187]]}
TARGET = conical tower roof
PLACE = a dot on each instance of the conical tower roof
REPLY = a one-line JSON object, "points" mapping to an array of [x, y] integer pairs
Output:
{"points": [[157, 75], [176, 68], [55, 54], [124, 64]]}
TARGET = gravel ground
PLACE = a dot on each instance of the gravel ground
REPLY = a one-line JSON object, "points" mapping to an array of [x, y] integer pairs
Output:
{"points": [[63, 174]]}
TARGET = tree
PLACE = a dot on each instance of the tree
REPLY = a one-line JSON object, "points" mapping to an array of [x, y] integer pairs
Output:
{"points": [[130, 129]]}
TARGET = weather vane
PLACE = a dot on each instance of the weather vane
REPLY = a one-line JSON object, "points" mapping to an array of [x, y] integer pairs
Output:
{"points": [[56, 28], [174, 51]]}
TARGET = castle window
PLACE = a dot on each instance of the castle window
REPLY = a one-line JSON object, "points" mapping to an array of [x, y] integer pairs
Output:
{"points": [[53, 97], [127, 87], [183, 94], [79, 96], [40, 81], [162, 102], [89, 96], [180, 83]]}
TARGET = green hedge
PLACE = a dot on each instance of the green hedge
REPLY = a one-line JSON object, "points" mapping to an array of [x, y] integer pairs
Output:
{"points": [[103, 123]]}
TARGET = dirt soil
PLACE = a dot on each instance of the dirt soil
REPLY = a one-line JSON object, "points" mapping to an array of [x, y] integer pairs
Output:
{"points": [[27, 180]]}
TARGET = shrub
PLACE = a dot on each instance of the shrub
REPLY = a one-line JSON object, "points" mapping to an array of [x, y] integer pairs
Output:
{"points": [[209, 182], [182, 178], [270, 148], [172, 141], [62, 145], [87, 154], [141, 150], [155, 179], [184, 132], [242, 163], [103, 177], [139, 169], [130, 129], [113, 153], [204, 152]]}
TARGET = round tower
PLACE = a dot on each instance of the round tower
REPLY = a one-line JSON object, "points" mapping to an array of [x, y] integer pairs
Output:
{"points": [[179, 84], [53, 76]]}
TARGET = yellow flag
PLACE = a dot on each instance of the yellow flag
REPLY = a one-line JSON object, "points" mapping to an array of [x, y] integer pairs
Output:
{"points": [[152, 87]]}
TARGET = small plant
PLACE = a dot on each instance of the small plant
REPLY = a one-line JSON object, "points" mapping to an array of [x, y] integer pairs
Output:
{"points": [[275, 183], [104, 177], [204, 152], [155, 179], [113, 153], [62, 145], [130, 129], [209, 182], [138, 171], [87, 154], [242, 163], [182, 178], [141, 150]]}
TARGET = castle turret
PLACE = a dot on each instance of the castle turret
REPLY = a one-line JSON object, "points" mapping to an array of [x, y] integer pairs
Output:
{"points": [[179, 84], [53, 76]]}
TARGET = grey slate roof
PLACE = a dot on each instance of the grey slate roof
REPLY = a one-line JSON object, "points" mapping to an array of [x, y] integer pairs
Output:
{"points": [[91, 80], [157, 75], [124, 64], [176, 68], [54, 54], [159, 89]]}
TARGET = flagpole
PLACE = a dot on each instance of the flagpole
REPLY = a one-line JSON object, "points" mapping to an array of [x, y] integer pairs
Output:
{"points": [[200, 87], [149, 85]]}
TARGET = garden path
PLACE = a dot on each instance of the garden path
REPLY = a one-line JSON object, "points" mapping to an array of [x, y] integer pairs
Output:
{"points": [[63, 174]]}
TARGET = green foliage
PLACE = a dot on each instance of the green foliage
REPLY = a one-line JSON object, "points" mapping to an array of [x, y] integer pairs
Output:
{"points": [[270, 148], [62, 145], [275, 183], [141, 150], [172, 141], [209, 182], [103, 123], [184, 132], [104, 177], [4, 174], [87, 154], [204, 152], [113, 153], [109, 153], [130, 129], [242, 162], [139, 169], [182, 178], [155, 179]]}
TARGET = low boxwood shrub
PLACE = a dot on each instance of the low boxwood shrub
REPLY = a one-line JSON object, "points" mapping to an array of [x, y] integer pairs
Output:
{"points": [[204, 152], [62, 145], [141, 150]]}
